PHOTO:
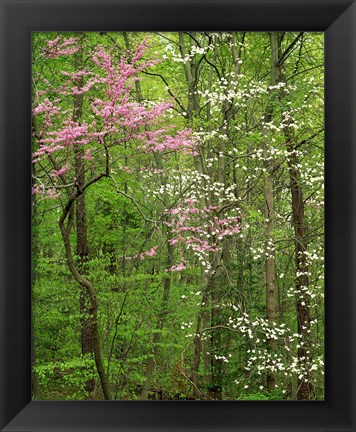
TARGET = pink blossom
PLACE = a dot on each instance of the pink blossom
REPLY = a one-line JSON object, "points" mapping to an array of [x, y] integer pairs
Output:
{"points": [[56, 48], [198, 228], [88, 155], [175, 211], [113, 119], [60, 172], [181, 141], [49, 193], [46, 106], [142, 255], [152, 251], [179, 267]]}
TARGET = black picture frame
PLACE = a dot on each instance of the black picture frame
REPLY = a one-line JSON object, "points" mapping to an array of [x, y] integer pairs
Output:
{"points": [[18, 19]]}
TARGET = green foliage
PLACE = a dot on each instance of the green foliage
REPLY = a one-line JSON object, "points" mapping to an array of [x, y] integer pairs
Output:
{"points": [[65, 380], [206, 325]]}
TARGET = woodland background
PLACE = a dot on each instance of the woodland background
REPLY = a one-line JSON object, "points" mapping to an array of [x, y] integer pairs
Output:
{"points": [[178, 216]]}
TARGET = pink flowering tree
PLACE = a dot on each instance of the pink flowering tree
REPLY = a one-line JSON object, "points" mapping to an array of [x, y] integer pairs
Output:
{"points": [[200, 230], [84, 130]]}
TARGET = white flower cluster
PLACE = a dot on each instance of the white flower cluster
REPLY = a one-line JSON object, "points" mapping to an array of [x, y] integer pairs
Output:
{"points": [[283, 360]]}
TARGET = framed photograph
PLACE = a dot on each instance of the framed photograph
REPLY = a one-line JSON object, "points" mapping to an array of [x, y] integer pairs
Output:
{"points": [[178, 215]]}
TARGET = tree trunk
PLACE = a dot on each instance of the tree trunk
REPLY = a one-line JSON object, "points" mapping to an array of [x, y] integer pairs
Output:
{"points": [[81, 228], [216, 386], [269, 211], [89, 288], [191, 73], [302, 280], [305, 388]]}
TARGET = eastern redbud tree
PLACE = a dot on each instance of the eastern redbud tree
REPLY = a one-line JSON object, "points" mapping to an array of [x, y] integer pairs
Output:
{"points": [[110, 127]]}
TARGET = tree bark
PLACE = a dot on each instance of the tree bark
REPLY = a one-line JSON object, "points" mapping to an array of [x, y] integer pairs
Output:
{"points": [[269, 211], [305, 388], [191, 74], [302, 302], [215, 391], [302, 280], [93, 303], [81, 227]]}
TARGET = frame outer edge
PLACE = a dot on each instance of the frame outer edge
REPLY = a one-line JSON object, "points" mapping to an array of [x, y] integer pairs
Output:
{"points": [[4, 215]]}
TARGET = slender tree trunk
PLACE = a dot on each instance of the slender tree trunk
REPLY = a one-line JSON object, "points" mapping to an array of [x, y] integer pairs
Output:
{"points": [[202, 348], [269, 211], [191, 73], [305, 388], [218, 347], [302, 279], [203, 321], [270, 266], [196, 358], [216, 386], [150, 364], [93, 303], [81, 226], [82, 253]]}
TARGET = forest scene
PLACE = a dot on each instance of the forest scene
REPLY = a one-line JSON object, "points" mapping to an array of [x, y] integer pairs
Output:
{"points": [[178, 216]]}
